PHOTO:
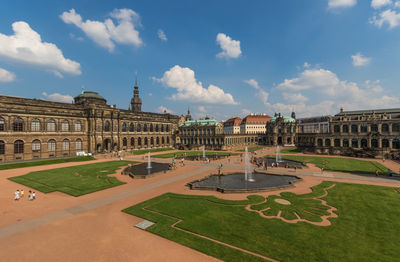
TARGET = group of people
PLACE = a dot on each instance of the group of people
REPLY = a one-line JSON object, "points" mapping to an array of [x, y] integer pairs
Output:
{"points": [[20, 194]]}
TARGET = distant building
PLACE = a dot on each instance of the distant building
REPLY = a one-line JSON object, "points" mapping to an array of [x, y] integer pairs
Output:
{"points": [[310, 127], [232, 125], [281, 130], [254, 124]]}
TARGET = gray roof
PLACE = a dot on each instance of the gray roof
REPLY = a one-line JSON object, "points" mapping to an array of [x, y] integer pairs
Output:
{"points": [[370, 112]]}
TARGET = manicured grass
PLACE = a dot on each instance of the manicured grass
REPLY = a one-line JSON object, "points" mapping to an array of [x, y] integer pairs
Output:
{"points": [[145, 151], [45, 162], [291, 150], [75, 180], [251, 149], [367, 229], [194, 153], [348, 165]]}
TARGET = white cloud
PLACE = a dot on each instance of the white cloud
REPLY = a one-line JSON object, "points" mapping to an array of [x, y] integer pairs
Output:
{"points": [[360, 60], [58, 97], [306, 65], [341, 3], [106, 33], [230, 48], [263, 95], [26, 46], [294, 97], [324, 85], [6, 76], [245, 112], [163, 109], [201, 109], [376, 4], [161, 35], [391, 17], [183, 79]]}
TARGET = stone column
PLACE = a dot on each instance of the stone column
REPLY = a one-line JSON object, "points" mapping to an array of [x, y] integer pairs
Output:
{"points": [[379, 141]]}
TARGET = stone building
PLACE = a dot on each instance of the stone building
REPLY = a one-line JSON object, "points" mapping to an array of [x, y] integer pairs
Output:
{"points": [[254, 124], [34, 129], [373, 133], [281, 130], [309, 128], [232, 125]]}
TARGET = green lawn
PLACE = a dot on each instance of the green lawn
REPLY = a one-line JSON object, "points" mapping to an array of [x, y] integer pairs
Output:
{"points": [[75, 180], [251, 149], [291, 150], [45, 162], [145, 151], [194, 153], [348, 165], [367, 229]]}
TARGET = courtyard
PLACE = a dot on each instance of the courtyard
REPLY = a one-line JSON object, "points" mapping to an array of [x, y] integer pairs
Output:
{"points": [[341, 215]]}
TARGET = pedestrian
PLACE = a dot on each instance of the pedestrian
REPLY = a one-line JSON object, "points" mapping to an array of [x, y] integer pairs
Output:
{"points": [[295, 168], [33, 195], [22, 193], [322, 170], [376, 173], [183, 161], [16, 195]]}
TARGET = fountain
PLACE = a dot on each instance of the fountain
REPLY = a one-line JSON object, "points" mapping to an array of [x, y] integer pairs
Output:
{"points": [[204, 152], [278, 155], [148, 161], [248, 176]]}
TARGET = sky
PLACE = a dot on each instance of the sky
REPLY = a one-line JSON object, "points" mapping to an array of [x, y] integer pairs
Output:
{"points": [[220, 58]]}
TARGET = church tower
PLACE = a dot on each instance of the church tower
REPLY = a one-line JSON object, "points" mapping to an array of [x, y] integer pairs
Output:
{"points": [[136, 102]]}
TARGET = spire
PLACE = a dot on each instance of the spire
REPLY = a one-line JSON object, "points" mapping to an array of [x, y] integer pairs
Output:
{"points": [[83, 89], [136, 78], [188, 110], [136, 102]]}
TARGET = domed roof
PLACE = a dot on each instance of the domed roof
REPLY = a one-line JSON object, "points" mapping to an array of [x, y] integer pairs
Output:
{"points": [[89, 97], [91, 94]]}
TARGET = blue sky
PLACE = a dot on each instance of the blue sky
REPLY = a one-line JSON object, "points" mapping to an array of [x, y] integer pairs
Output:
{"points": [[221, 58]]}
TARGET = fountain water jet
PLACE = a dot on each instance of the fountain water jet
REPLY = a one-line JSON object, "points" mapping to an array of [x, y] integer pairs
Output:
{"points": [[204, 152], [278, 155], [148, 161], [248, 176]]}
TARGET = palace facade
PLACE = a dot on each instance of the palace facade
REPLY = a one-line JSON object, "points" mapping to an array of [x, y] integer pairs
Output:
{"points": [[34, 129]]}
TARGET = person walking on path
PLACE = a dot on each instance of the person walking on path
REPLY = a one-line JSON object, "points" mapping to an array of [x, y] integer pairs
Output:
{"points": [[376, 173], [22, 193], [33, 195], [16, 195]]}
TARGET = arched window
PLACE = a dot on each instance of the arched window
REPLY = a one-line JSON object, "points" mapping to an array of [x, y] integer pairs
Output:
{"points": [[327, 142], [2, 147], [157, 141], [107, 126], [18, 125], [345, 128], [337, 142], [2, 124], [65, 126], [65, 145], [51, 145], [319, 142], [162, 128], [131, 127], [78, 144], [35, 125], [18, 147], [385, 128], [132, 141], [354, 128], [374, 143], [395, 127], [364, 128], [36, 145], [78, 126], [51, 125], [151, 127], [157, 128], [364, 143], [396, 143], [374, 128], [145, 128], [167, 128], [145, 141], [354, 143], [139, 141], [123, 127], [345, 142], [138, 128], [124, 141], [151, 141], [163, 141], [385, 142], [168, 140]]}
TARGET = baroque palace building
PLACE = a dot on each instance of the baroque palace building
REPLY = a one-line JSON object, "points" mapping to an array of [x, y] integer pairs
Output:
{"points": [[34, 129]]}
